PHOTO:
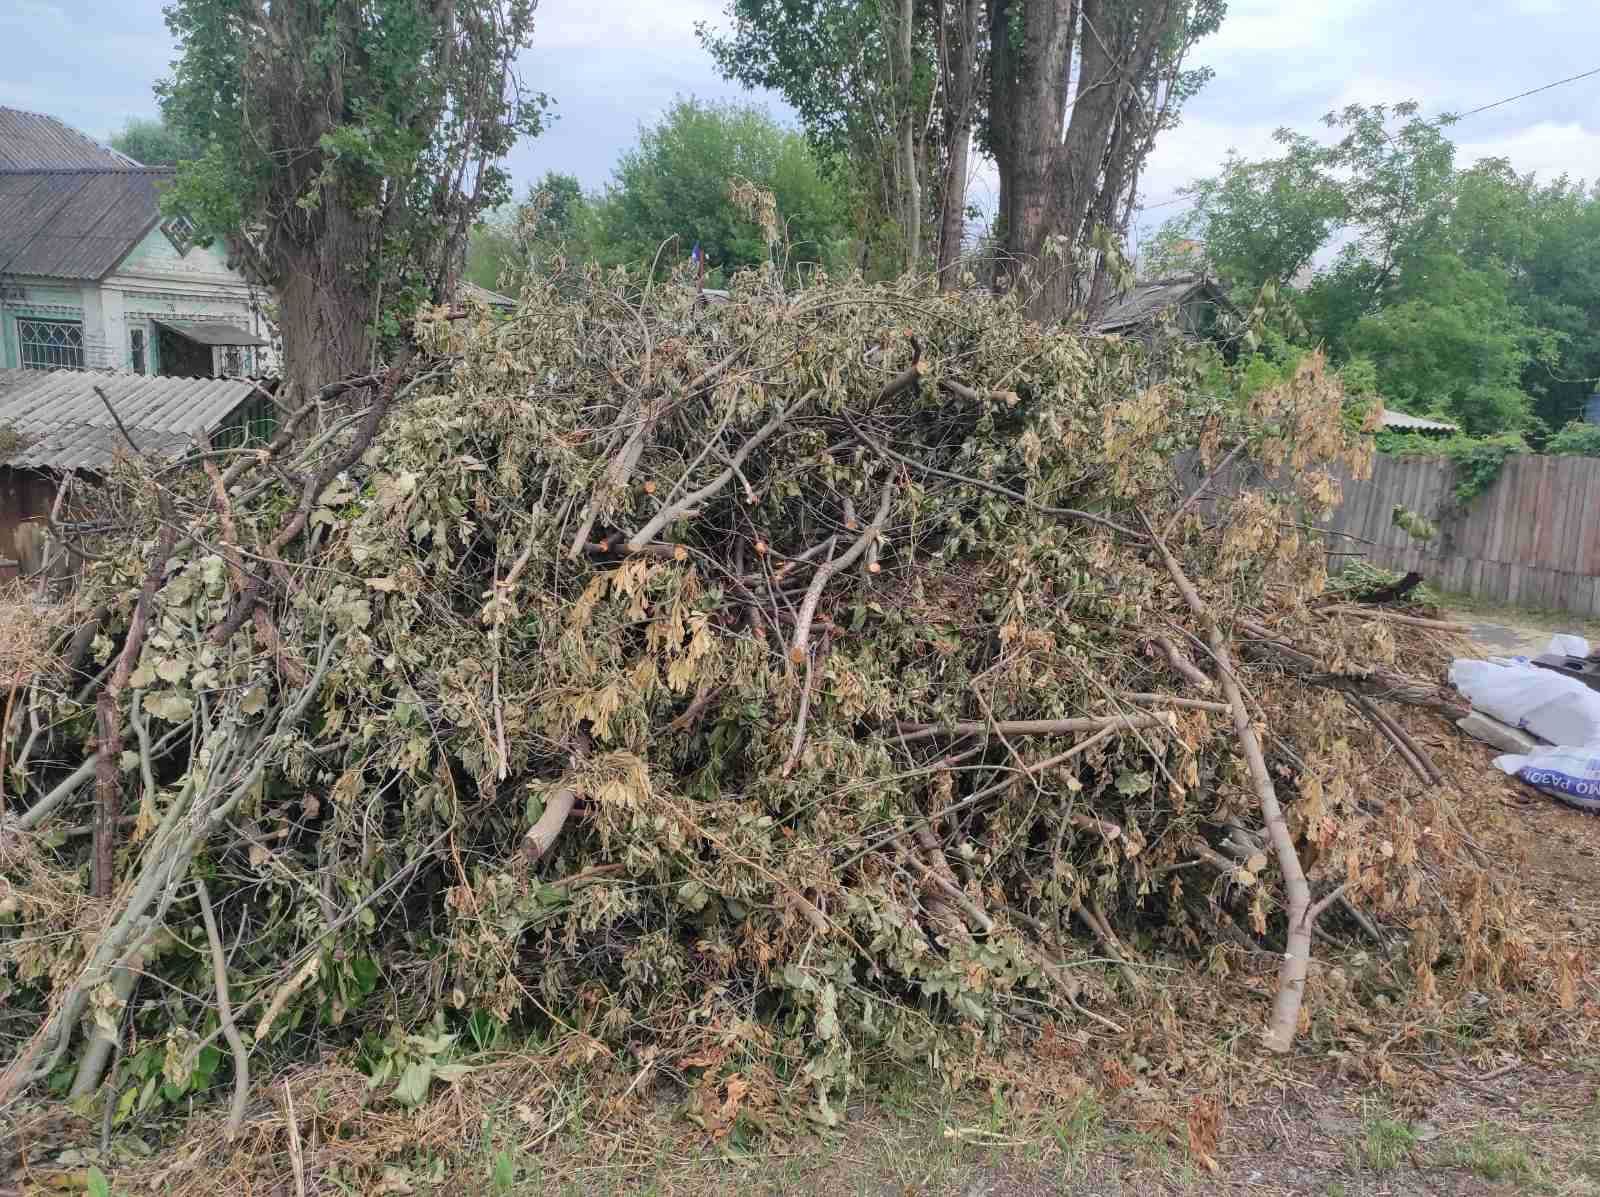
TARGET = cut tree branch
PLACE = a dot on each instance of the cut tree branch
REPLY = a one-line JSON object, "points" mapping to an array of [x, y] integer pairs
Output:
{"points": [[1285, 1022], [219, 978]]}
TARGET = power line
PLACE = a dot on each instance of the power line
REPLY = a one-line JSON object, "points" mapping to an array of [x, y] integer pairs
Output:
{"points": [[1447, 118], [1520, 95]]}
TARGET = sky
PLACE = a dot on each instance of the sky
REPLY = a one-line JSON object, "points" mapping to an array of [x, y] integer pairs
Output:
{"points": [[612, 64]]}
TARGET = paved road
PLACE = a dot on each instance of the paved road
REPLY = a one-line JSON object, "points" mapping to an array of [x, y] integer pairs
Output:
{"points": [[1505, 641]]}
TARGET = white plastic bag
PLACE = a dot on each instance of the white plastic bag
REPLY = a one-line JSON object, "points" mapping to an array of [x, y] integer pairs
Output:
{"points": [[1564, 644], [1559, 709], [1571, 775]]}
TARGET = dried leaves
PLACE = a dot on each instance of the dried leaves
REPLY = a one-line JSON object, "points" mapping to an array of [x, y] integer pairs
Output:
{"points": [[812, 888]]}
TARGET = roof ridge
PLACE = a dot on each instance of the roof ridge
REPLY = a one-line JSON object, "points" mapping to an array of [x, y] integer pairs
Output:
{"points": [[103, 146], [88, 170]]}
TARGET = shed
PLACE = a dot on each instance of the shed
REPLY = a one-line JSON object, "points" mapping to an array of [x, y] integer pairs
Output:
{"points": [[1191, 302], [62, 425], [490, 299]]}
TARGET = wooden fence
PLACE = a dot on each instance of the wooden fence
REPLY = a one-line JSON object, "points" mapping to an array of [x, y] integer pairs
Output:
{"points": [[1532, 539]]}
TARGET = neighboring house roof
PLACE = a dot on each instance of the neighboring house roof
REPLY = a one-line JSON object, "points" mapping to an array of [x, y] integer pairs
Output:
{"points": [[65, 425], [494, 299], [1146, 301], [1399, 419], [9, 379], [33, 141], [75, 223]]}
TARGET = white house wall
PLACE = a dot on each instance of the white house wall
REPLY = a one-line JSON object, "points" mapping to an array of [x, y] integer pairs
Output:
{"points": [[154, 282]]}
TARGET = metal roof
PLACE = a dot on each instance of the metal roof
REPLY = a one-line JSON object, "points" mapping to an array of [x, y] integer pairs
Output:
{"points": [[75, 223], [65, 425], [471, 290], [213, 332], [34, 141], [1148, 300], [1399, 419]]}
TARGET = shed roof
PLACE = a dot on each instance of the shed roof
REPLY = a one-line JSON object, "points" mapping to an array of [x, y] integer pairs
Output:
{"points": [[34, 141], [471, 290], [1147, 300], [66, 425], [213, 332], [75, 223], [1399, 419]]}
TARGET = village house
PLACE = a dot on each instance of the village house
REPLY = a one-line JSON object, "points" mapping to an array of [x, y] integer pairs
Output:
{"points": [[94, 277]]}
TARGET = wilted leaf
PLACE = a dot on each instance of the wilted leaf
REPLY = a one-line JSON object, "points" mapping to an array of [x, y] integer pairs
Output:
{"points": [[1130, 783], [169, 705], [412, 1088]]}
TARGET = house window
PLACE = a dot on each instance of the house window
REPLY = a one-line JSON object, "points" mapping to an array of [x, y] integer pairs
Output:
{"points": [[50, 344], [180, 231], [236, 362], [136, 339]]}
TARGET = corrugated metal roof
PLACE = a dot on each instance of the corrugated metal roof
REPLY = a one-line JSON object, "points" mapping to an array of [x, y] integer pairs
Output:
{"points": [[75, 224], [213, 332], [1149, 299], [66, 426], [34, 141], [1399, 419], [471, 290], [10, 379]]}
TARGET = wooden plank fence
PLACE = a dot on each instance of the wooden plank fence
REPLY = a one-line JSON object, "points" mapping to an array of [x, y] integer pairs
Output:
{"points": [[1532, 539]]}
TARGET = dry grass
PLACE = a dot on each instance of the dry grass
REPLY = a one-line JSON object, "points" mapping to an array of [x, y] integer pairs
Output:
{"points": [[26, 627]]}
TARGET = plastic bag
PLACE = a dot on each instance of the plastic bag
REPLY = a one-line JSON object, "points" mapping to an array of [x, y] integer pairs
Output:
{"points": [[1559, 709], [1571, 775], [1563, 644]]}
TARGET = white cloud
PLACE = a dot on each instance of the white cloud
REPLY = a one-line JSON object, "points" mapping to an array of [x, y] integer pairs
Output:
{"points": [[1274, 26], [660, 24], [1548, 148]]}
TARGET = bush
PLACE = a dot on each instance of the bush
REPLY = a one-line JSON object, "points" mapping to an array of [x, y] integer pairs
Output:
{"points": [[1577, 439]]}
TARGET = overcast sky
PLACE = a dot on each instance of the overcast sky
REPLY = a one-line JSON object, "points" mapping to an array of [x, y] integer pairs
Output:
{"points": [[610, 64]]}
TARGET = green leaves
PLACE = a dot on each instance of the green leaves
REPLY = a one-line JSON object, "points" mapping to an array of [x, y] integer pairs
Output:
{"points": [[417, 1061], [674, 184], [389, 178]]}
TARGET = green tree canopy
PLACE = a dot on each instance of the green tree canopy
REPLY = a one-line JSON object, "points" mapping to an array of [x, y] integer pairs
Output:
{"points": [[1469, 292], [675, 184], [556, 218], [155, 143], [350, 147]]}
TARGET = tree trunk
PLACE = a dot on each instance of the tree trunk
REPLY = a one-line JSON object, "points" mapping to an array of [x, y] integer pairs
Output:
{"points": [[326, 317], [906, 139], [961, 97], [1037, 62], [1054, 171]]}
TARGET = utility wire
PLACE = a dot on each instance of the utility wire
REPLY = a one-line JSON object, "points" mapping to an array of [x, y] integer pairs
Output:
{"points": [[1520, 95]]}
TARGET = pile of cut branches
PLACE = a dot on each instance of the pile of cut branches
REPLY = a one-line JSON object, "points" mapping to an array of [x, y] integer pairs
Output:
{"points": [[825, 675]]}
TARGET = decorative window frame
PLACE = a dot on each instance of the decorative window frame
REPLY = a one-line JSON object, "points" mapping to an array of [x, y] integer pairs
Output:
{"points": [[179, 230], [34, 323]]}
